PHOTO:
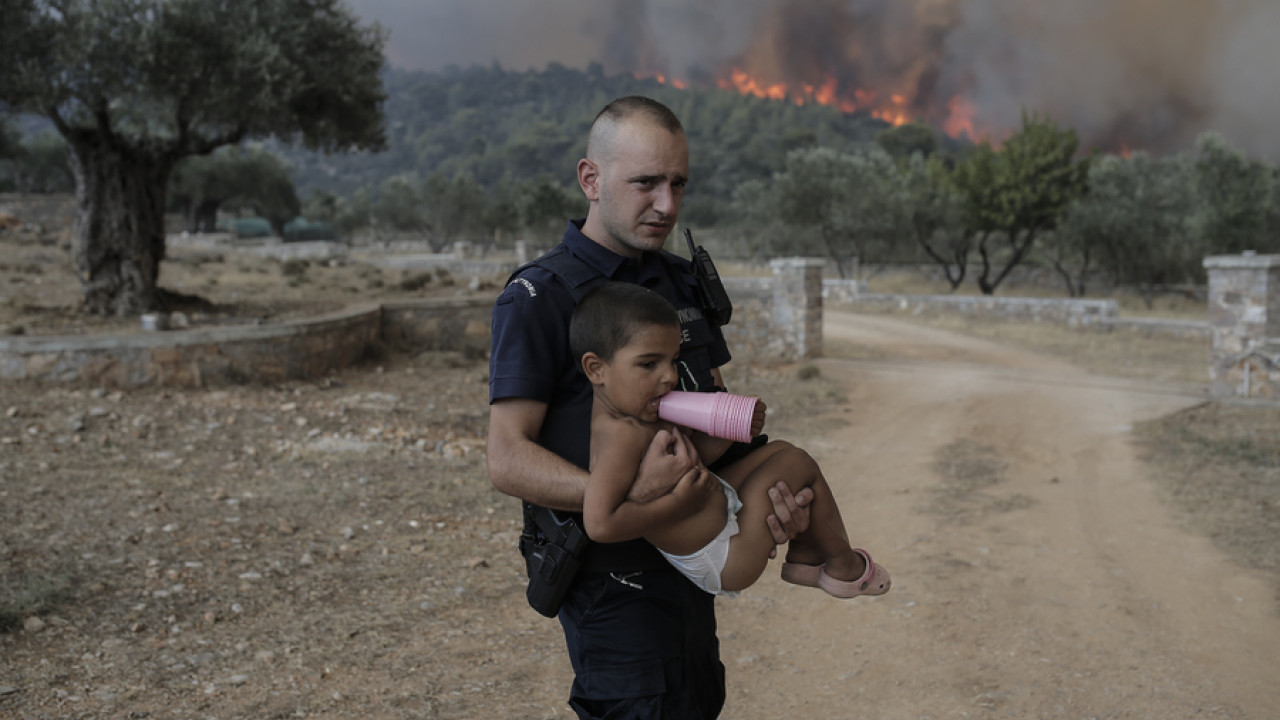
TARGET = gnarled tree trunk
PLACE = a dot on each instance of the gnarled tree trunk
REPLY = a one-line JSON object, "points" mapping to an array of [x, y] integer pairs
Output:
{"points": [[119, 230]]}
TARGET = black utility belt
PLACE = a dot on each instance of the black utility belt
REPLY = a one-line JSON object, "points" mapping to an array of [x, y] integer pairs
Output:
{"points": [[556, 549], [633, 556]]}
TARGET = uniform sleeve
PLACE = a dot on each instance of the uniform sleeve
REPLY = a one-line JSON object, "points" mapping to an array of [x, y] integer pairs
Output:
{"points": [[530, 343]]}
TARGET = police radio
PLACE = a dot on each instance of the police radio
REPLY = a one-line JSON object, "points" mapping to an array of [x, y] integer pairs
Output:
{"points": [[712, 296]]}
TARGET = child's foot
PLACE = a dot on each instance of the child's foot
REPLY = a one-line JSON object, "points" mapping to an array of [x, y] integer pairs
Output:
{"points": [[874, 581], [801, 573]]}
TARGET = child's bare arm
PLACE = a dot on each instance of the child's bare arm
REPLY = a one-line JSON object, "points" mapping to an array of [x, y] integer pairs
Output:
{"points": [[616, 449]]}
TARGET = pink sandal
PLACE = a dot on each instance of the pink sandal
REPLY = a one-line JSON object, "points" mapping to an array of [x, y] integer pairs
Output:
{"points": [[875, 581]]}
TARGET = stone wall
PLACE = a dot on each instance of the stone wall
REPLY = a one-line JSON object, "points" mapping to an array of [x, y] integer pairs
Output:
{"points": [[311, 348], [461, 324], [778, 318], [1244, 314], [264, 353], [1067, 311]]}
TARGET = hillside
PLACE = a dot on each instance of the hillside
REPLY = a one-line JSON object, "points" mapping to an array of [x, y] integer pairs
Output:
{"points": [[501, 126]]}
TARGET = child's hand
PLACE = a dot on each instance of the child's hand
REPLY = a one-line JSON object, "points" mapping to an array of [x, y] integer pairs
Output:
{"points": [[757, 418], [669, 458], [695, 488]]}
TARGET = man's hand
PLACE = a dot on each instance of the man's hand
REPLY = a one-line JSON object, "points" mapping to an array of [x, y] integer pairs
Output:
{"points": [[669, 458], [790, 514]]}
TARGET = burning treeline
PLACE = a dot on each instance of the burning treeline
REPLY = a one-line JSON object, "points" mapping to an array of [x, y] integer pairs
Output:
{"points": [[1133, 74]]}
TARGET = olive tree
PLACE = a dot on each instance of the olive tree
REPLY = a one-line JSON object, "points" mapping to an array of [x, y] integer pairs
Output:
{"points": [[233, 177], [854, 201], [933, 215], [1135, 220], [1234, 198], [136, 85], [1014, 194]]}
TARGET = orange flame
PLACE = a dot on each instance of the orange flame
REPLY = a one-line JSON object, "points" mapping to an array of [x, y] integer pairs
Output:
{"points": [[896, 110], [960, 114]]}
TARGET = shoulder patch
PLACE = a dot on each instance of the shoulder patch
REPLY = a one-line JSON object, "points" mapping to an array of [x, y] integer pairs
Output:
{"points": [[533, 291]]}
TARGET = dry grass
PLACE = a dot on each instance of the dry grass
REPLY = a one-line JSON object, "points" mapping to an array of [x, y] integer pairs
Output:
{"points": [[1120, 352], [1219, 468]]}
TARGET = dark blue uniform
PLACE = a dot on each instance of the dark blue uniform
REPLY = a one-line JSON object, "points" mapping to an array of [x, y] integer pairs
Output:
{"points": [[637, 652]]}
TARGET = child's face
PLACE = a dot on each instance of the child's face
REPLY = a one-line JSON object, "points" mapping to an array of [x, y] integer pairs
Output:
{"points": [[642, 371]]}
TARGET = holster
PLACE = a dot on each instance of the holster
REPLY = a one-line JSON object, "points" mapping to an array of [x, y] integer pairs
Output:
{"points": [[553, 545]]}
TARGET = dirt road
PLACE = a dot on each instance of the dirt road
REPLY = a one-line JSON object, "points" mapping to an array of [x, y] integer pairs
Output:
{"points": [[1036, 574], [303, 551]]}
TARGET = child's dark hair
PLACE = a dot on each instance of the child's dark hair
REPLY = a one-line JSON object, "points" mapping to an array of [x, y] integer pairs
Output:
{"points": [[609, 315]]}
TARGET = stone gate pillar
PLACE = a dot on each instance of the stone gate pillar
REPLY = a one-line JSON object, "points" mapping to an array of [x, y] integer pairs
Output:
{"points": [[1244, 316], [797, 307]]}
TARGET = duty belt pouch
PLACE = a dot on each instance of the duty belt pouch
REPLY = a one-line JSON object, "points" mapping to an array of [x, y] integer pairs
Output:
{"points": [[552, 544]]}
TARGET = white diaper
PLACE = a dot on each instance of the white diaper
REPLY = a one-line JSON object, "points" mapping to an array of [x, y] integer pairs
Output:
{"points": [[703, 566]]}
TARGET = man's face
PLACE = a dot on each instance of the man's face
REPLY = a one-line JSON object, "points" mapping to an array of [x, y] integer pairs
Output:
{"points": [[637, 189]]}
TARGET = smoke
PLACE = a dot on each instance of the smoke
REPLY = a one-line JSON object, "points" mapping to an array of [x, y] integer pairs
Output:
{"points": [[1133, 74]]}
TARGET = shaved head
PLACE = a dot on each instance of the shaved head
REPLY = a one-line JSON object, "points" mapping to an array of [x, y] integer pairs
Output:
{"points": [[604, 130]]}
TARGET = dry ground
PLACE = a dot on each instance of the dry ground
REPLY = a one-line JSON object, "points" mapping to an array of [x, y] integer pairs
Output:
{"points": [[333, 549]]}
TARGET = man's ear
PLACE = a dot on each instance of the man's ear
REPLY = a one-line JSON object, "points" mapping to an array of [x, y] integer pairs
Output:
{"points": [[593, 367], [589, 179]]}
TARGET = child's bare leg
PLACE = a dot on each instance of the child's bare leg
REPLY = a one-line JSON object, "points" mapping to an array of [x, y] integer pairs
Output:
{"points": [[824, 542]]}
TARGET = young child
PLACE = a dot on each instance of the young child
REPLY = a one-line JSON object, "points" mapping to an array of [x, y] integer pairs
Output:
{"points": [[628, 339]]}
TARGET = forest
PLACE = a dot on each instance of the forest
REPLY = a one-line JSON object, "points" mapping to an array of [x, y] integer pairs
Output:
{"points": [[487, 155]]}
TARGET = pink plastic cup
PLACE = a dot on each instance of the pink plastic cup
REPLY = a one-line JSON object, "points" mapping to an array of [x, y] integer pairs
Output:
{"points": [[721, 414]]}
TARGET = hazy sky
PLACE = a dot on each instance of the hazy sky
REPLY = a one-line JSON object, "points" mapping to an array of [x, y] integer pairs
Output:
{"points": [[1145, 72]]}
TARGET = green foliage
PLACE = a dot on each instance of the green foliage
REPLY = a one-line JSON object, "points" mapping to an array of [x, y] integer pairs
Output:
{"points": [[853, 201], [542, 205], [908, 140], [235, 179], [1236, 195], [35, 166], [301, 229], [505, 129], [197, 75], [345, 215], [934, 215], [1017, 192], [1135, 219]]}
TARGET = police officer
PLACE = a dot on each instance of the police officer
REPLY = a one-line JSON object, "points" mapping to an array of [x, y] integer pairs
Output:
{"points": [[641, 638]]}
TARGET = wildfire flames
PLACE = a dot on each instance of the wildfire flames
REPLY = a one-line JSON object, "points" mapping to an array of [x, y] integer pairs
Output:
{"points": [[888, 61], [893, 108]]}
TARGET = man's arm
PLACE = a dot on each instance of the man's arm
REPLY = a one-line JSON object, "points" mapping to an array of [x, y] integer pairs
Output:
{"points": [[520, 467]]}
